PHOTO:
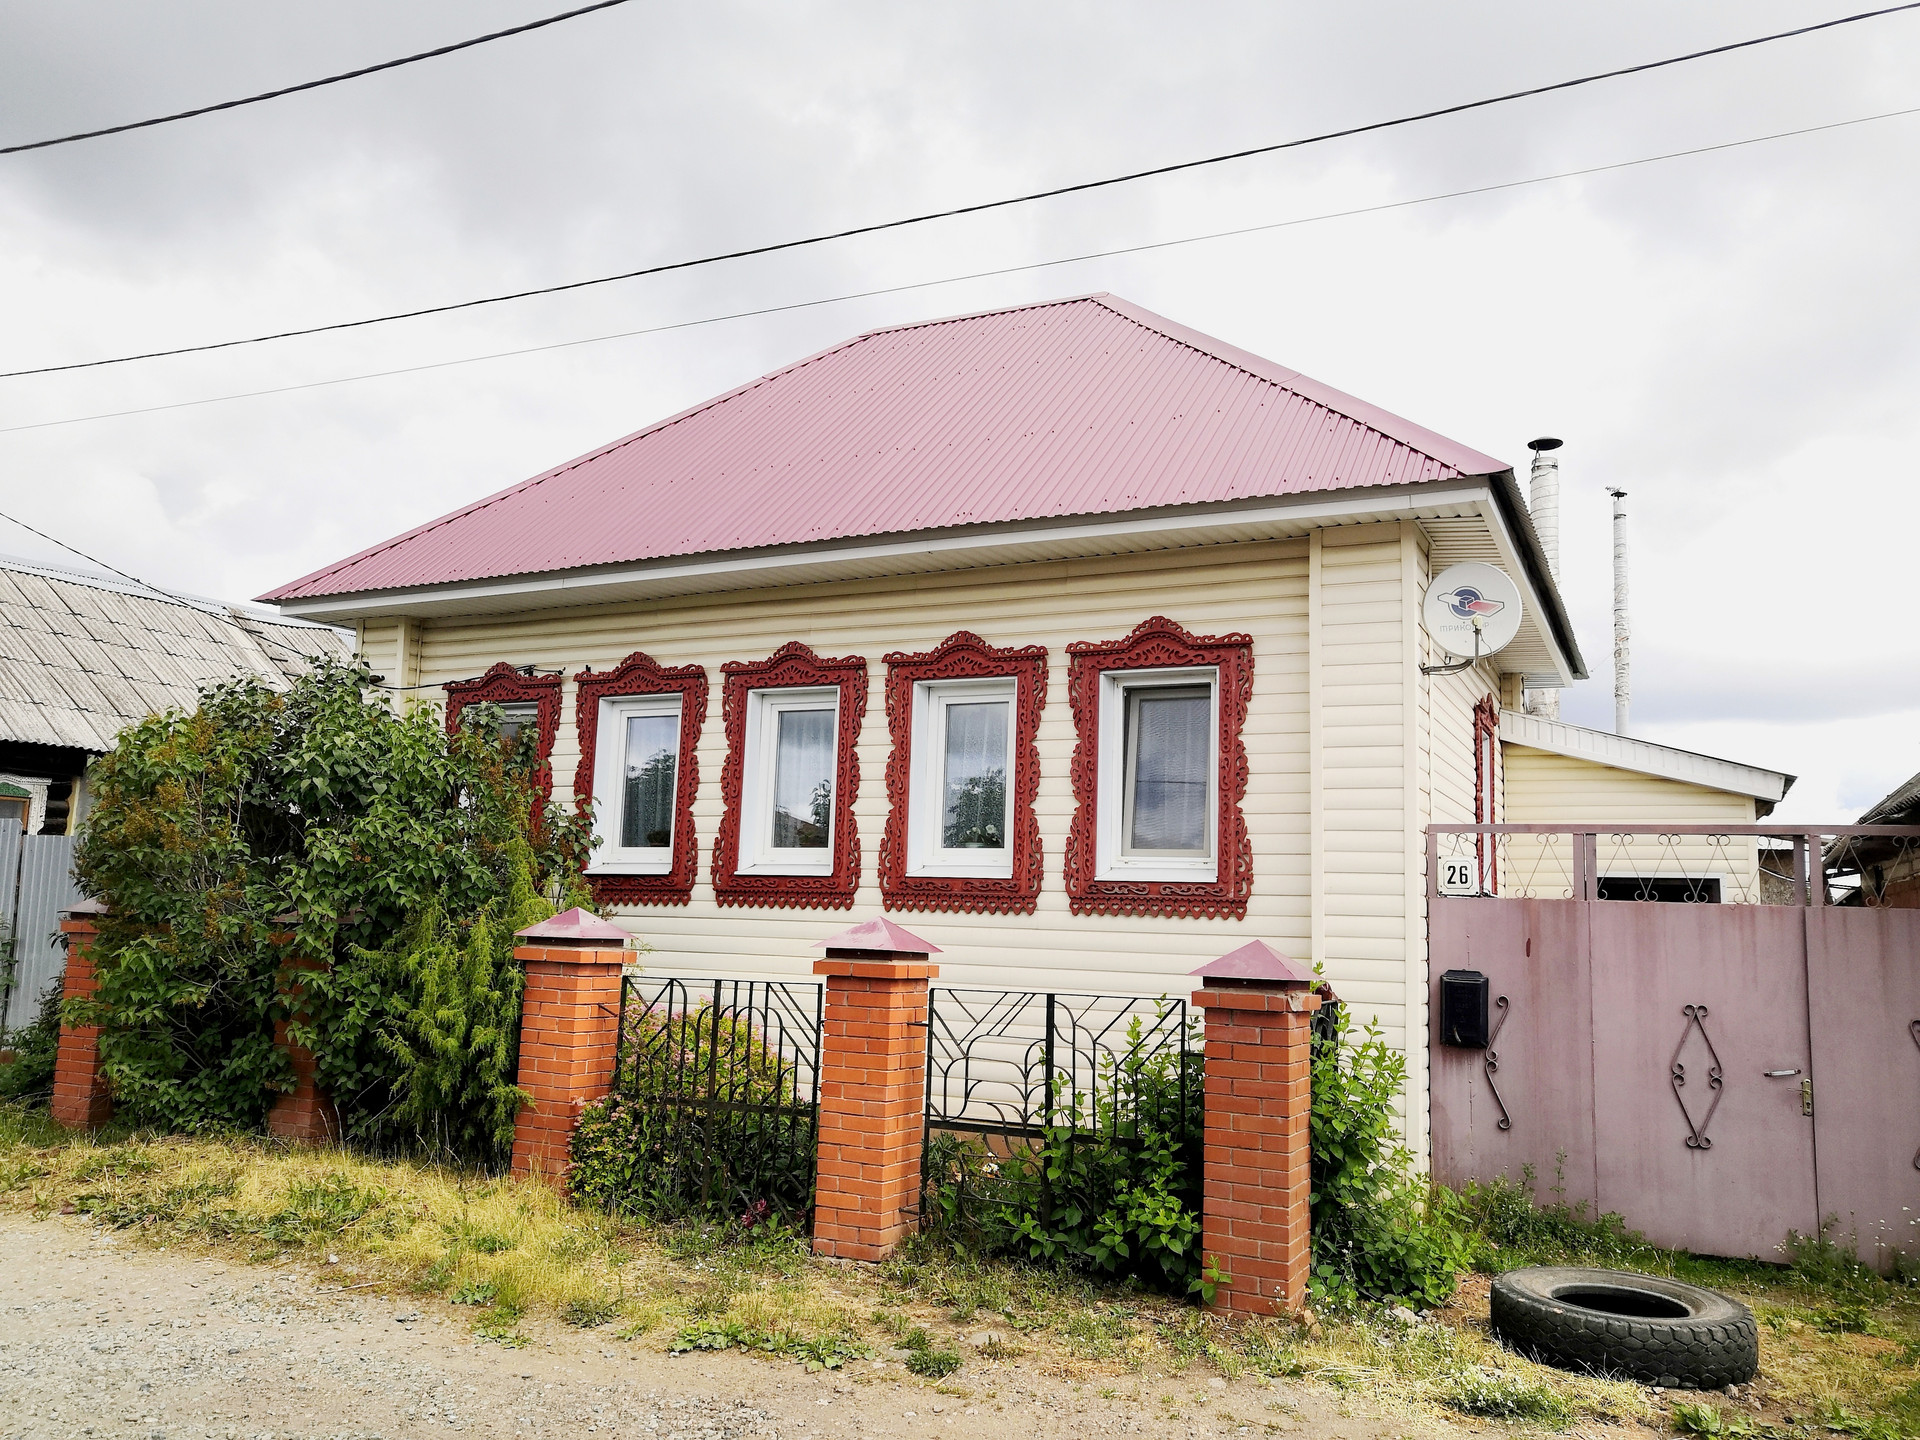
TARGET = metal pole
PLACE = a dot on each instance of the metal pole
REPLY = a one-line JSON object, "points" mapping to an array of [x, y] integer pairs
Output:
{"points": [[1543, 503], [1622, 668]]}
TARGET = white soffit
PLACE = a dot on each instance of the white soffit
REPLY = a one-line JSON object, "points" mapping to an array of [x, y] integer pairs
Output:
{"points": [[1623, 752], [1461, 519]]}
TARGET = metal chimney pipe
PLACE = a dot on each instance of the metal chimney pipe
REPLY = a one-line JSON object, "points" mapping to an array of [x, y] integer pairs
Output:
{"points": [[1622, 637], [1543, 501]]}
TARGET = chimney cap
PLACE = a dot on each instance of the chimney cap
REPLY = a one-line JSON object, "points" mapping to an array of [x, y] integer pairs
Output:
{"points": [[1545, 442]]}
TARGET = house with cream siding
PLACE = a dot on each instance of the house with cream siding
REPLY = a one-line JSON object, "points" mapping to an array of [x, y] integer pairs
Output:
{"points": [[1090, 643]]}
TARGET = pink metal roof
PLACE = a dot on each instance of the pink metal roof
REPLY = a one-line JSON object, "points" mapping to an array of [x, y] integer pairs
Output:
{"points": [[1081, 407], [879, 934]]}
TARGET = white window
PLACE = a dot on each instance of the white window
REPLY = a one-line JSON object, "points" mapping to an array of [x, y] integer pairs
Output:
{"points": [[1159, 797], [788, 781], [636, 781], [959, 816]]}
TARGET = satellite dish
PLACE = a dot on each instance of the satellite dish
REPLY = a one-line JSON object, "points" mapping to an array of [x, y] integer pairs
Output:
{"points": [[1472, 610]]}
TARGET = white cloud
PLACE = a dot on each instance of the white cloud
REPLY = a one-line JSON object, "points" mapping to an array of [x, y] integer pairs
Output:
{"points": [[1731, 338]]}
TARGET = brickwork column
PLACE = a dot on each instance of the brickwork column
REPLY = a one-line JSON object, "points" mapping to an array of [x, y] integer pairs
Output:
{"points": [[81, 1100], [569, 1033], [873, 1085], [306, 1114], [1259, 1010]]}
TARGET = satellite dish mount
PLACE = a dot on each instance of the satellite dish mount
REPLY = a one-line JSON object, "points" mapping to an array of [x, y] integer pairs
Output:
{"points": [[1471, 609]]}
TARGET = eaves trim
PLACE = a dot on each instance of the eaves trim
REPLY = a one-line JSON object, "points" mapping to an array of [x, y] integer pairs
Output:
{"points": [[1644, 757]]}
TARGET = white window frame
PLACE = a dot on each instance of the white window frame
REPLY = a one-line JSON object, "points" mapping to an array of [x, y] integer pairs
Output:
{"points": [[609, 787], [927, 754], [1111, 860], [758, 854]]}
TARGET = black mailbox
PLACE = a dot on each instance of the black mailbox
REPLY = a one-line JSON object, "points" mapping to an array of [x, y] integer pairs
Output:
{"points": [[1463, 1009]]}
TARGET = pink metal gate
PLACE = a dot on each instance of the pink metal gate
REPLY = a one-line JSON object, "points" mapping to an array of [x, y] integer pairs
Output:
{"points": [[1718, 1072]]}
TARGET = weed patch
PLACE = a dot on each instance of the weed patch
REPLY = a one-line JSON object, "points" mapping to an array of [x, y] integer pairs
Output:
{"points": [[1504, 1397]]}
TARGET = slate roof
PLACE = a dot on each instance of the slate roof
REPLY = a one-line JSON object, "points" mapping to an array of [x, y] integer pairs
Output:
{"points": [[82, 656], [1089, 406]]}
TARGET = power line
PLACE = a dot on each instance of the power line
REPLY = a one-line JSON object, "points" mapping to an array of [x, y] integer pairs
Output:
{"points": [[312, 84], [220, 612], [976, 274], [977, 208]]}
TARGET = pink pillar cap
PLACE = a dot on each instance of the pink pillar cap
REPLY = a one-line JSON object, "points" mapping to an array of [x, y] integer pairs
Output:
{"points": [[1255, 963], [878, 934], [574, 927]]}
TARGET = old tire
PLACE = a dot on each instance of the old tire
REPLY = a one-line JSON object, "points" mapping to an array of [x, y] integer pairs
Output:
{"points": [[1613, 1322]]}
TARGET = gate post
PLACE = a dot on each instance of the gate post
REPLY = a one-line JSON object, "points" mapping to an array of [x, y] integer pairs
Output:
{"points": [[1259, 1007], [81, 1100], [569, 1033], [873, 1087], [305, 1113]]}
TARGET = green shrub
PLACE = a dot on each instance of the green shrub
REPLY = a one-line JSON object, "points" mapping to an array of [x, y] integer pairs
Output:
{"points": [[704, 1121], [1379, 1232], [314, 823], [1112, 1184], [29, 1077]]}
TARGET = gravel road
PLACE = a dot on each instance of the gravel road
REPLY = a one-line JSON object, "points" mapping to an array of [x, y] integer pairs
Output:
{"points": [[103, 1337]]}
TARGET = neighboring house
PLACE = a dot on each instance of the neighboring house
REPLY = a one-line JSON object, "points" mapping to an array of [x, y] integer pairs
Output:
{"points": [[1552, 771], [1881, 872], [1089, 640], [82, 656]]}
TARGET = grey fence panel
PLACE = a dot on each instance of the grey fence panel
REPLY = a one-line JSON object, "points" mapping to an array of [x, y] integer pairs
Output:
{"points": [[46, 888], [10, 836]]}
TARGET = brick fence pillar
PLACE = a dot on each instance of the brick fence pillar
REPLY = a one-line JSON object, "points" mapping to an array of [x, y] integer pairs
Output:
{"points": [[873, 1085], [569, 1033], [306, 1114], [1259, 1007], [81, 1100]]}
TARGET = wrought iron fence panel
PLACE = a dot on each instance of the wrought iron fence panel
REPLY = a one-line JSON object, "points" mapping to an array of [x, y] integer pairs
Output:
{"points": [[1010, 1072], [719, 1087]]}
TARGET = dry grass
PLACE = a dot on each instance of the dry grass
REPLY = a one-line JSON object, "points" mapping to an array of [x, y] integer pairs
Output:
{"points": [[505, 1252]]}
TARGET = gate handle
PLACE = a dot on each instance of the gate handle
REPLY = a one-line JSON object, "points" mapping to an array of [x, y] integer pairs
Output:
{"points": [[1778, 1074]]}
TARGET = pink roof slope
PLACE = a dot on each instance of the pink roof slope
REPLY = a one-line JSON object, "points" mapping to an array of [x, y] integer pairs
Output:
{"points": [[1089, 406]]}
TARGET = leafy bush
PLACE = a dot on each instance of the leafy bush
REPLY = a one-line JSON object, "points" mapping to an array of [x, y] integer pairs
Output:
{"points": [[1379, 1232], [313, 823], [1111, 1185], [29, 1076], [703, 1120]]}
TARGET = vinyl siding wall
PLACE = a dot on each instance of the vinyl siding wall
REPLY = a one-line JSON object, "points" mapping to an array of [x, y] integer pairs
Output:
{"points": [[1542, 787], [1258, 589]]}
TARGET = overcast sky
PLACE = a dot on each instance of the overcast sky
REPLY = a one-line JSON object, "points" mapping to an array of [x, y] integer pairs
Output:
{"points": [[1729, 337]]}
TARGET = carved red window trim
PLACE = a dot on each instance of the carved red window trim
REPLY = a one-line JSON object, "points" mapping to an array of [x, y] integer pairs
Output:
{"points": [[504, 684], [792, 666], [639, 674], [965, 656], [1156, 644]]}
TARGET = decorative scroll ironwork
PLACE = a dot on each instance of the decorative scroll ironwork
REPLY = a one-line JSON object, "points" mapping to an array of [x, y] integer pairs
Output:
{"points": [[1697, 1138], [1011, 1067], [1913, 1029], [1157, 643], [640, 674], [717, 1084], [1492, 1064]]}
